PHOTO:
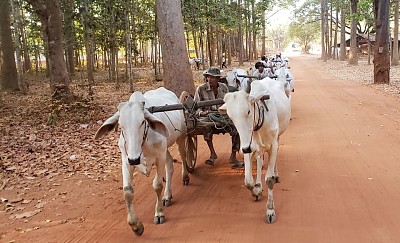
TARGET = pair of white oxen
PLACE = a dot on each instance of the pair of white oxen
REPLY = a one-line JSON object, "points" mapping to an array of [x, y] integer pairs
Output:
{"points": [[145, 138]]}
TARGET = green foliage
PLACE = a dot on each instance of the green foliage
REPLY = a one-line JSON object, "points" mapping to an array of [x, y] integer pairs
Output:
{"points": [[304, 32]]}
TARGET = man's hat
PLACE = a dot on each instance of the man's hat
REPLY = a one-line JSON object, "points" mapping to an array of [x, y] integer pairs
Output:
{"points": [[212, 71]]}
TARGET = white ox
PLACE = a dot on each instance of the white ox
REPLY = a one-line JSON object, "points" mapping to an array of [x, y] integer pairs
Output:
{"points": [[286, 78], [235, 81], [259, 125], [144, 141]]}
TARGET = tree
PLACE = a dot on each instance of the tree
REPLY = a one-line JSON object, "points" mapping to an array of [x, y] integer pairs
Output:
{"points": [[353, 54], [9, 78], [177, 74], [50, 16], [324, 31], [68, 9], [304, 32], [342, 34], [18, 50], [395, 59], [381, 49]]}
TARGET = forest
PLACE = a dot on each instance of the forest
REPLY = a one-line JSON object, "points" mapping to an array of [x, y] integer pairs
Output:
{"points": [[65, 39]]}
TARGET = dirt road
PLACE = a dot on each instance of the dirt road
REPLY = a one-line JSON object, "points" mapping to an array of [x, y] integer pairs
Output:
{"points": [[339, 165]]}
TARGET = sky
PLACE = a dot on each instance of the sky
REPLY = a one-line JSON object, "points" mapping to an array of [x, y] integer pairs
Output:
{"points": [[282, 16]]}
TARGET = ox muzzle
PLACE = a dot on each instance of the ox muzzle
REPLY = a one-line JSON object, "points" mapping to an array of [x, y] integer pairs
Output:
{"points": [[246, 150], [134, 161]]}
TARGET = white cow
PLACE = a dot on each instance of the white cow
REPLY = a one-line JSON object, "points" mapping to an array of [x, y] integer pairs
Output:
{"points": [[144, 141], [235, 81], [286, 78], [260, 123]]}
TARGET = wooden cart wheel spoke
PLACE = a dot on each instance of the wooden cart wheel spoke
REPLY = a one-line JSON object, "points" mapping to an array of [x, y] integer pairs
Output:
{"points": [[191, 152]]}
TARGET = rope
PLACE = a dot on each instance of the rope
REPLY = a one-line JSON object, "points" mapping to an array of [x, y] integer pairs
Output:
{"points": [[175, 129]]}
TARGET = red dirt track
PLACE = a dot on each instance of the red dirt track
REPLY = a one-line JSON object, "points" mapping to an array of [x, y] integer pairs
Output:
{"points": [[339, 164]]}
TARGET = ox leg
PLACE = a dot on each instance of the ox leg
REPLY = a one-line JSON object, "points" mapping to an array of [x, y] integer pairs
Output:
{"points": [[248, 174], [276, 175], [167, 199], [270, 180], [182, 153], [159, 216], [258, 189], [133, 221]]}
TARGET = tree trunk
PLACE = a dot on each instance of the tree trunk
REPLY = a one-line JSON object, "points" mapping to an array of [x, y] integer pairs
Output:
{"points": [[128, 47], [69, 34], [178, 76], [113, 45], [50, 16], [87, 33], [330, 32], [395, 60], [381, 51], [263, 50], [196, 46], [335, 37], [23, 87], [369, 50], [240, 34], [323, 30], [342, 34], [353, 54], [27, 66], [9, 78], [229, 48]]}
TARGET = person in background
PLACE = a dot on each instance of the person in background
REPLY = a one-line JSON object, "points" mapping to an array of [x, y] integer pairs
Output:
{"points": [[261, 72], [213, 89], [264, 60], [223, 65]]}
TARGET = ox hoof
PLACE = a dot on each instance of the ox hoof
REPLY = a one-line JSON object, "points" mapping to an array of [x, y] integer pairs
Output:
{"points": [[256, 192], [186, 180], [160, 219], [139, 229], [270, 217], [167, 202]]}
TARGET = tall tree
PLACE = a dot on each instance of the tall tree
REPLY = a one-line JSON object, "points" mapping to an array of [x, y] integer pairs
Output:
{"points": [[342, 34], [50, 16], [381, 49], [240, 33], [88, 39], [324, 6], [353, 54], [18, 52], [9, 78], [395, 59], [69, 31], [177, 74]]}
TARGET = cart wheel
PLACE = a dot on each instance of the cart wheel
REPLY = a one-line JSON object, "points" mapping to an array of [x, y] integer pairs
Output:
{"points": [[191, 152]]}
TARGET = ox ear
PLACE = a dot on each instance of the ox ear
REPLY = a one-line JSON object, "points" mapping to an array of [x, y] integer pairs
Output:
{"points": [[156, 124], [222, 109], [109, 125]]}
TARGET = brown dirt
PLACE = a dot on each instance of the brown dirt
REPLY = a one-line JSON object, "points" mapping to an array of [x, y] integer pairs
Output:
{"points": [[338, 163]]}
